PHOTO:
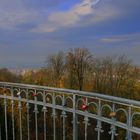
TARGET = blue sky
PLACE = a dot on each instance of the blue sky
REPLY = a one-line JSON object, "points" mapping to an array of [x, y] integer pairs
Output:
{"points": [[30, 30]]}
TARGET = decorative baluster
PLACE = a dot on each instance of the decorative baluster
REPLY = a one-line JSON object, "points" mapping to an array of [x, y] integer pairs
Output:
{"points": [[75, 129], [64, 123], [54, 117], [28, 121], [99, 125], [129, 124], [27, 109], [13, 120], [5, 109], [86, 120], [19, 108], [112, 131], [64, 118], [44, 109], [36, 112]]}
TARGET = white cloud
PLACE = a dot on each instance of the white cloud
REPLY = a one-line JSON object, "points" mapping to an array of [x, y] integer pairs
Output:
{"points": [[63, 19], [112, 40], [131, 38], [15, 14], [77, 15]]}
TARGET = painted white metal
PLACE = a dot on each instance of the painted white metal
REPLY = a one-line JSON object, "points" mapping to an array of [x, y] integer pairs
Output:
{"points": [[129, 107]]}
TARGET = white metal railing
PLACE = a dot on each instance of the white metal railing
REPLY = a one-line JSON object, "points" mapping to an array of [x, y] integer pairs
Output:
{"points": [[26, 110]]}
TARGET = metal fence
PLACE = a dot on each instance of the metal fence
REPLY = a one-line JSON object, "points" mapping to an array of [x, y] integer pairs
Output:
{"points": [[44, 113]]}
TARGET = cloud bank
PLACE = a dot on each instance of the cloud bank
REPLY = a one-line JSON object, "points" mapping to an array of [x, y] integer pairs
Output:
{"points": [[15, 14], [32, 29], [76, 16]]}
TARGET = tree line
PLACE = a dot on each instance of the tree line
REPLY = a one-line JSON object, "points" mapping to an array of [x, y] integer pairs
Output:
{"points": [[79, 69]]}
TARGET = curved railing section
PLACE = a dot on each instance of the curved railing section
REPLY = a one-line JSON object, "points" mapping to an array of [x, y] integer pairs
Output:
{"points": [[39, 112]]}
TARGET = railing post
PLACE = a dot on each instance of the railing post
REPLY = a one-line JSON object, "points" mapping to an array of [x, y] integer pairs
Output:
{"points": [[86, 120], [86, 126], [28, 121], [20, 117], [54, 117], [129, 124], [44, 113], [113, 128], [99, 126], [75, 129], [64, 118], [36, 112], [13, 120], [5, 110]]}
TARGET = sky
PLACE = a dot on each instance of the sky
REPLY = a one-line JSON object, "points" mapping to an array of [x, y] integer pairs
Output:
{"points": [[30, 30]]}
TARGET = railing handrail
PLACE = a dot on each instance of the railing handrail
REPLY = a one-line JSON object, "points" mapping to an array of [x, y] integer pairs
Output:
{"points": [[128, 102]]}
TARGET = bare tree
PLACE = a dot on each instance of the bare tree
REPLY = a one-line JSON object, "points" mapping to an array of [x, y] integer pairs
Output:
{"points": [[78, 63], [56, 67], [115, 76]]}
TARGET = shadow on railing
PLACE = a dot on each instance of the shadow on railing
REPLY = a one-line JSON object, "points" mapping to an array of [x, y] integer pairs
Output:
{"points": [[42, 113]]}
